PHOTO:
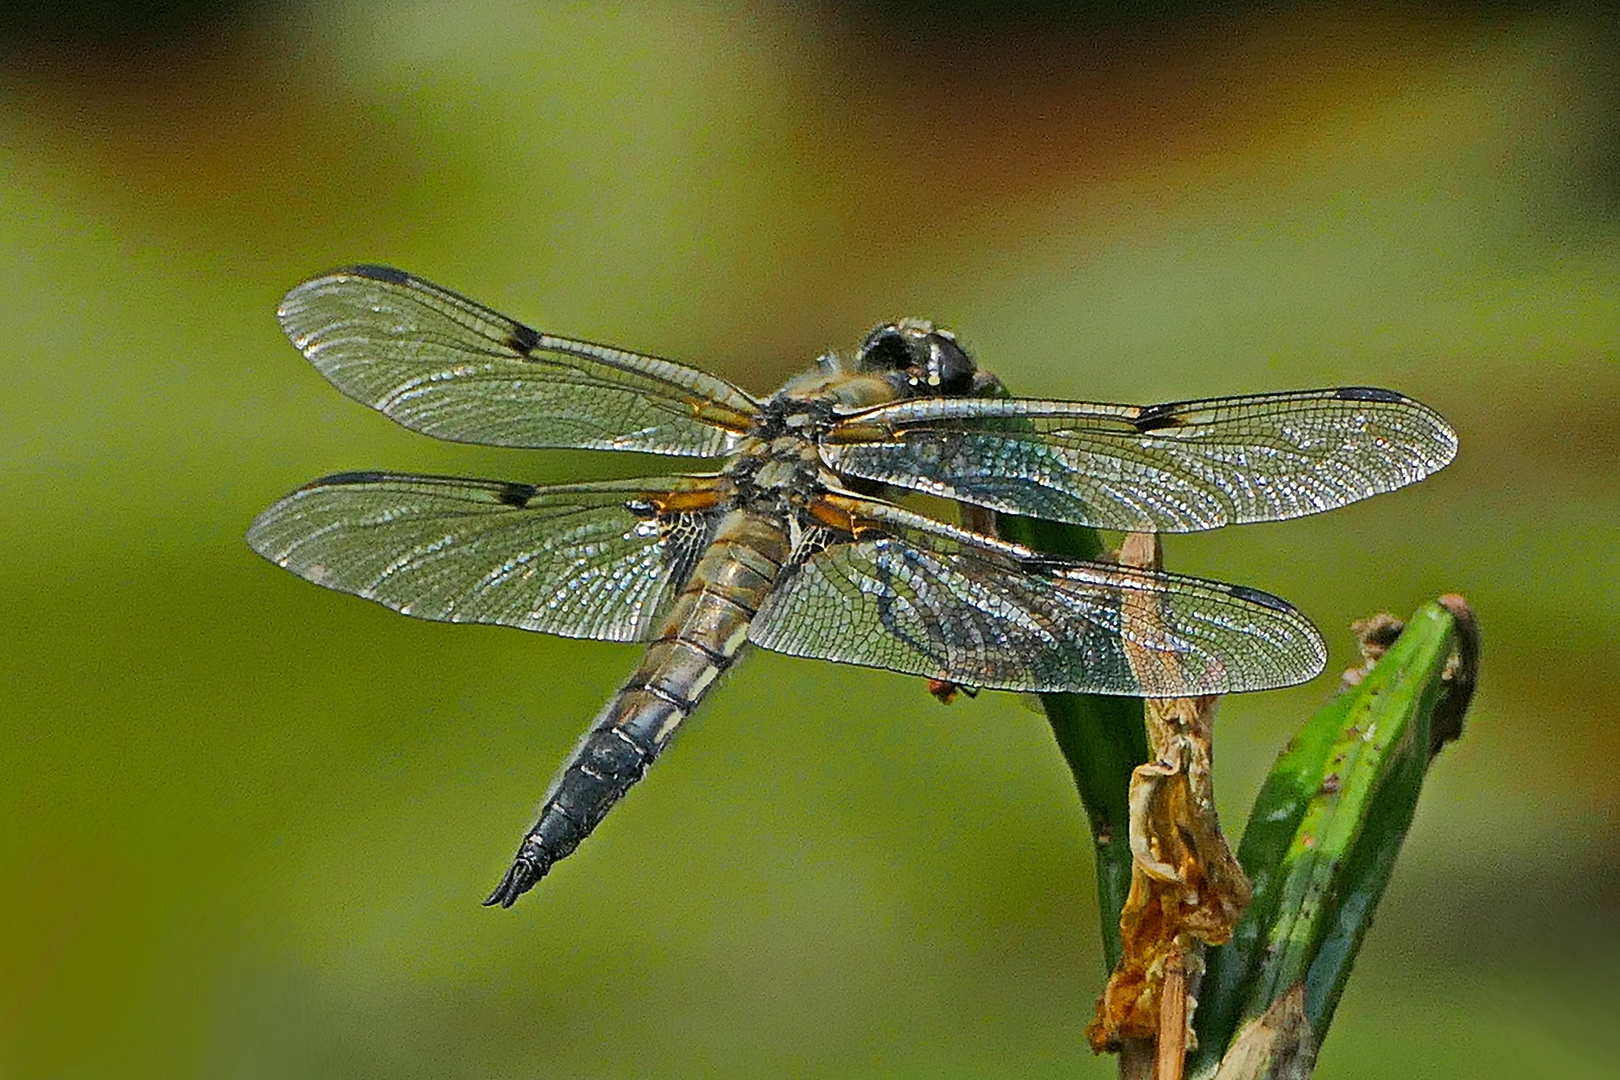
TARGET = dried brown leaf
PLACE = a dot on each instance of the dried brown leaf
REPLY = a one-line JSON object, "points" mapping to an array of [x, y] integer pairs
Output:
{"points": [[1187, 889]]}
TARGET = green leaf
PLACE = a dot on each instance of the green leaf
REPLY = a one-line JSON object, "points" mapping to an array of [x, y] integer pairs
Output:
{"points": [[1325, 831]]}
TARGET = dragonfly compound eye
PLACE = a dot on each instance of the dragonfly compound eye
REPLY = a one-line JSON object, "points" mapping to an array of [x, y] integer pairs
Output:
{"points": [[888, 348], [950, 369], [930, 358]]}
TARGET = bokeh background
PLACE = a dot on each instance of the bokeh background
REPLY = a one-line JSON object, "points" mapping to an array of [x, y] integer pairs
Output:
{"points": [[245, 824]]}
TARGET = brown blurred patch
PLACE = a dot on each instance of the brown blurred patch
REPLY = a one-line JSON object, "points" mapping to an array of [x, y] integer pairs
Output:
{"points": [[915, 133], [1579, 431], [213, 130]]}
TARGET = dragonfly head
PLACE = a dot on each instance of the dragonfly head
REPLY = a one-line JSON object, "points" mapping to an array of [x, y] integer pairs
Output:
{"points": [[925, 359]]}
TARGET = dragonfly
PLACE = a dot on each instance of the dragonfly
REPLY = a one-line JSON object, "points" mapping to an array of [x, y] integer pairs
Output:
{"points": [[800, 539]]}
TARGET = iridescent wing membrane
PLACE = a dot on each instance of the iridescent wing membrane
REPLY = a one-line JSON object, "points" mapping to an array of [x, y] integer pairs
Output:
{"points": [[927, 598], [581, 560], [1177, 467], [440, 364], [894, 589]]}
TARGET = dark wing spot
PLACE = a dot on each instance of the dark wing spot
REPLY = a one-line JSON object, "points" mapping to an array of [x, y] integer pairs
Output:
{"points": [[1044, 565], [516, 494], [644, 508], [1255, 596], [522, 339], [1155, 417], [378, 273], [1368, 393]]}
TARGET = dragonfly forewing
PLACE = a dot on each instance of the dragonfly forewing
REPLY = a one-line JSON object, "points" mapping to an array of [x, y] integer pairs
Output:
{"points": [[441, 364], [1178, 467]]}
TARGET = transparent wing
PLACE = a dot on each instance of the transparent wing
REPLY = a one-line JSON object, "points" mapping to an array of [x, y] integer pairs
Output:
{"points": [[440, 364], [929, 599], [1177, 467], [583, 560]]}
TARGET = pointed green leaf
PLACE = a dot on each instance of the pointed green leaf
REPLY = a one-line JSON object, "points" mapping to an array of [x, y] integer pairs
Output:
{"points": [[1324, 833]]}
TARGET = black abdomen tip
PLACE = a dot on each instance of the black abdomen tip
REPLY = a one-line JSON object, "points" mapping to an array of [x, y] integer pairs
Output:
{"points": [[519, 879]]}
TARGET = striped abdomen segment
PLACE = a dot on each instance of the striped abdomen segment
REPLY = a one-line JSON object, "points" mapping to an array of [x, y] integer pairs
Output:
{"points": [[698, 639]]}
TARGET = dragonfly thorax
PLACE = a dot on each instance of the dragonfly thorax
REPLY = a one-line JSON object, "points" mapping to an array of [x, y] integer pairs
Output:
{"points": [[778, 464]]}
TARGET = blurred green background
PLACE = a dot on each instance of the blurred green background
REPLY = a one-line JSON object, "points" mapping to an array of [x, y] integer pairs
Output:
{"points": [[246, 824]]}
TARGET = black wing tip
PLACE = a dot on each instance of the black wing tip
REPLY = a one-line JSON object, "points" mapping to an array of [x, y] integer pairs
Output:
{"points": [[1372, 393], [390, 275], [339, 479], [293, 304], [1444, 443], [1308, 633], [378, 272], [519, 879], [1264, 599]]}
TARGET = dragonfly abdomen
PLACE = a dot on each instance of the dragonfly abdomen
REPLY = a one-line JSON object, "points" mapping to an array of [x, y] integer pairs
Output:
{"points": [[700, 636]]}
